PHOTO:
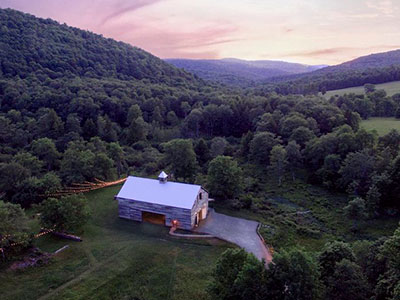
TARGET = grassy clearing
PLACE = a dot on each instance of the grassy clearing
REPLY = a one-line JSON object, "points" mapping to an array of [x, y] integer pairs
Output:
{"points": [[299, 214], [118, 259], [381, 125], [391, 88]]}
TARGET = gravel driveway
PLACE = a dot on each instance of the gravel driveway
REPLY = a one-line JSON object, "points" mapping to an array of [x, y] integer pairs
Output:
{"points": [[237, 231]]}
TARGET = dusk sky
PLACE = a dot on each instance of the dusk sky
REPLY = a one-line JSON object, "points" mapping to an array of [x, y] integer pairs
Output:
{"points": [[306, 31]]}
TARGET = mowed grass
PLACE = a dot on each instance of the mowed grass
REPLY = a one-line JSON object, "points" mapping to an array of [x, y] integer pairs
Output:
{"points": [[381, 125], [118, 259], [391, 88]]}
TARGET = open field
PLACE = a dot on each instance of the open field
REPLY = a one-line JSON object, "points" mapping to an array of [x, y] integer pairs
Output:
{"points": [[391, 88], [381, 125], [118, 259]]}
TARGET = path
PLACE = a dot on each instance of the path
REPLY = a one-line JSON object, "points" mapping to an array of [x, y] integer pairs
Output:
{"points": [[94, 265], [237, 231]]}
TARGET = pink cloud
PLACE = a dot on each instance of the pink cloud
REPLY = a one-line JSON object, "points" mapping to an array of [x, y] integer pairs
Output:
{"points": [[122, 8]]}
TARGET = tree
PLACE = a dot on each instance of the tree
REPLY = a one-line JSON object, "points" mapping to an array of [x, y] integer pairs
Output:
{"points": [[391, 141], [46, 150], [278, 162], [89, 129], [293, 275], [192, 123], [134, 112], [356, 209], [137, 131], [261, 146], [73, 124], [333, 253], [237, 275], [172, 119], [224, 177], [116, 153], [356, 172], [329, 172], [391, 250], [269, 122], [202, 152], [103, 166], [186, 108], [292, 122], [13, 225], [218, 146], [369, 88], [50, 125], [11, 176], [67, 214], [30, 162], [245, 144], [347, 282], [181, 158], [77, 165], [294, 157], [301, 135]]}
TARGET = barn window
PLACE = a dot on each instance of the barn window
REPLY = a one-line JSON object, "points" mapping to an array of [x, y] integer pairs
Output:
{"points": [[200, 196]]}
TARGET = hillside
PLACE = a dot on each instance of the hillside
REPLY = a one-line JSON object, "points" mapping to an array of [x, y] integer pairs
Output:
{"points": [[239, 72], [33, 45], [374, 68], [391, 88]]}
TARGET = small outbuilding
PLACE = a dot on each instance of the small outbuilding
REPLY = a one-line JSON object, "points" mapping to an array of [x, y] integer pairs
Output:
{"points": [[162, 201]]}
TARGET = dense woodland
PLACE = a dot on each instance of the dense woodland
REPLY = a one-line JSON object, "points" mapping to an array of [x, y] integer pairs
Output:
{"points": [[75, 106]]}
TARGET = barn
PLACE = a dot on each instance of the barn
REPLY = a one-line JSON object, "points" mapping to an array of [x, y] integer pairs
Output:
{"points": [[163, 202]]}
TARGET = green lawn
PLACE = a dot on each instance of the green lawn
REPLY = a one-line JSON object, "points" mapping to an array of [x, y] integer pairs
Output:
{"points": [[118, 259], [391, 88], [381, 125]]}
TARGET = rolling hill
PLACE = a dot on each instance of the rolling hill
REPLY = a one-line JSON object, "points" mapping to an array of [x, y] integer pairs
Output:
{"points": [[375, 68], [239, 72], [34, 45]]}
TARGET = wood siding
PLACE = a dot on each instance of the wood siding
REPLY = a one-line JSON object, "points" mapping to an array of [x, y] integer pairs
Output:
{"points": [[132, 210]]}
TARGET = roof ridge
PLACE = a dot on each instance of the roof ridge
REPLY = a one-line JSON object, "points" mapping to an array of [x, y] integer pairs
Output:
{"points": [[177, 182]]}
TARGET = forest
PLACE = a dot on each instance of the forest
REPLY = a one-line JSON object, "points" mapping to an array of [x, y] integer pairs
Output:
{"points": [[77, 107], [371, 69]]}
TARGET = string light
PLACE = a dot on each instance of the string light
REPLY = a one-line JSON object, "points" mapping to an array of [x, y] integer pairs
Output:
{"points": [[76, 188], [86, 186], [41, 233]]}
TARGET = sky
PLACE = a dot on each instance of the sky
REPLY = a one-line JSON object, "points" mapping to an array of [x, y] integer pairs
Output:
{"points": [[304, 31]]}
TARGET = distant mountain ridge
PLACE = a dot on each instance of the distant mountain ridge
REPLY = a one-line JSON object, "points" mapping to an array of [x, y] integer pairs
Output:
{"points": [[374, 68], [240, 72]]}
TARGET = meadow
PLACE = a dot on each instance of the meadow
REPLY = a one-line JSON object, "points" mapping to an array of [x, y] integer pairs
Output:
{"points": [[391, 88], [298, 214], [118, 259], [381, 125]]}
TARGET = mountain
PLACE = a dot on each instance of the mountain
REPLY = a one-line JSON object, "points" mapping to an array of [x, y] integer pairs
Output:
{"points": [[374, 68], [377, 60], [34, 45], [233, 71]]}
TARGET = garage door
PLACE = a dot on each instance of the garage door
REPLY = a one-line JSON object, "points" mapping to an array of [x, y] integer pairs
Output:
{"points": [[154, 218]]}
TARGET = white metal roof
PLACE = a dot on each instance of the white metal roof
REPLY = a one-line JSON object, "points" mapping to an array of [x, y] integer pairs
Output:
{"points": [[173, 194]]}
